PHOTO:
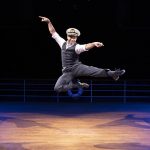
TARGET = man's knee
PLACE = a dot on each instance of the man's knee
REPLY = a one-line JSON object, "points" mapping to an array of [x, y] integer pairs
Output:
{"points": [[59, 89]]}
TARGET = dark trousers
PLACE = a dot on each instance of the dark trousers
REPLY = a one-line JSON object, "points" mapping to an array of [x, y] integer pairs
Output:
{"points": [[67, 80]]}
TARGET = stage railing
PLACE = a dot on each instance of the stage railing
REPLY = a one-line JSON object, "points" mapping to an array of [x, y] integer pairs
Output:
{"points": [[41, 90]]}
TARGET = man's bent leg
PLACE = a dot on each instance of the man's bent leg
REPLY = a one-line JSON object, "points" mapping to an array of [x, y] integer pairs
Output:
{"points": [[63, 83]]}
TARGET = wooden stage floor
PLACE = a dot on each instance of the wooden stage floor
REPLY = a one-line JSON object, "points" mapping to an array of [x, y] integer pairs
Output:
{"points": [[72, 126]]}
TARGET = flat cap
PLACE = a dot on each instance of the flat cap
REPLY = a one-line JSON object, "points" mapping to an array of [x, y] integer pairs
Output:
{"points": [[73, 32]]}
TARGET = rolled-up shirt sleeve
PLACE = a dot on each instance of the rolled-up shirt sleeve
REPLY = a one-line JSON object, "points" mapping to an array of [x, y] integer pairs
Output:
{"points": [[58, 39], [80, 48]]}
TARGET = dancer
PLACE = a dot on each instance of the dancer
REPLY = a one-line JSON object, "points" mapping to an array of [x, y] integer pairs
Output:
{"points": [[72, 68]]}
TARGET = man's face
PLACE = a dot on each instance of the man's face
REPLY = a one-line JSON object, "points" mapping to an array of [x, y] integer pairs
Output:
{"points": [[72, 39]]}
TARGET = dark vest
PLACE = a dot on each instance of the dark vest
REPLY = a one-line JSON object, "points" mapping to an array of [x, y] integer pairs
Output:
{"points": [[68, 56]]}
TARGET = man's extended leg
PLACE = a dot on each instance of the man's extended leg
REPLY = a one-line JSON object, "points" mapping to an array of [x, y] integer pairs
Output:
{"points": [[84, 70]]}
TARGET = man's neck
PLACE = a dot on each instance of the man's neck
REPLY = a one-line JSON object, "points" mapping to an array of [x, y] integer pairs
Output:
{"points": [[69, 44]]}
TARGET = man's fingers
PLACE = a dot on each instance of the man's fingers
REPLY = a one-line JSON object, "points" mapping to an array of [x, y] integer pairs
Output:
{"points": [[98, 44], [101, 44], [41, 17]]}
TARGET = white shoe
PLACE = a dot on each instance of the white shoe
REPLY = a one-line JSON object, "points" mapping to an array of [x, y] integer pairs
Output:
{"points": [[83, 85]]}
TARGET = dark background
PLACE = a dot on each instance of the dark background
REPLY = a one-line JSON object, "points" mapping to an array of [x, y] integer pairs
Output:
{"points": [[28, 51]]}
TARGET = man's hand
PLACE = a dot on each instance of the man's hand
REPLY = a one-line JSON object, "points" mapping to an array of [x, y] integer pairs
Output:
{"points": [[44, 19], [93, 44], [50, 26], [98, 44]]}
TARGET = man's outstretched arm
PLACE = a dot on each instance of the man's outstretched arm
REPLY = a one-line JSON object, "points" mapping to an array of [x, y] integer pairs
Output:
{"points": [[50, 26], [92, 45], [85, 47]]}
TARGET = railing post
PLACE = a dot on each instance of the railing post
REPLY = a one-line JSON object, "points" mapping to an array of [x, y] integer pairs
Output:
{"points": [[57, 97], [24, 91], [91, 92], [124, 92]]}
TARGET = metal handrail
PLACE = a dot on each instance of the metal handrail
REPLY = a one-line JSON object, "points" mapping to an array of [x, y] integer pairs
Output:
{"points": [[27, 89]]}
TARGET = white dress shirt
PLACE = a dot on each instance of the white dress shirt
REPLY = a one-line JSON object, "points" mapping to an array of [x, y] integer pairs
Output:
{"points": [[78, 49]]}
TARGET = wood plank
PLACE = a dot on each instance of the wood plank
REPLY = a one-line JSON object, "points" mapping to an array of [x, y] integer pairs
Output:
{"points": [[119, 130]]}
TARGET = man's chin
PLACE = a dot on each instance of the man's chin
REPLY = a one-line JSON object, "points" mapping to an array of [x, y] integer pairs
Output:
{"points": [[71, 43]]}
